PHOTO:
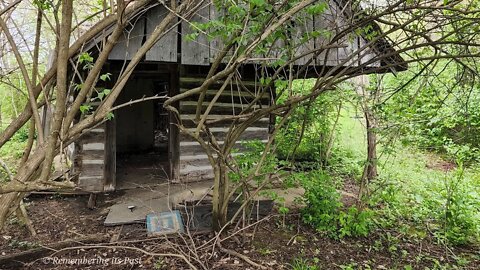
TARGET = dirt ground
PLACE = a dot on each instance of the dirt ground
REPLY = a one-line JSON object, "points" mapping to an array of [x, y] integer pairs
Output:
{"points": [[274, 243]]}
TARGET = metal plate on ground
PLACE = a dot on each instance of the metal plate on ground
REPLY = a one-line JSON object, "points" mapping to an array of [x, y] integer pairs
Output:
{"points": [[164, 223]]}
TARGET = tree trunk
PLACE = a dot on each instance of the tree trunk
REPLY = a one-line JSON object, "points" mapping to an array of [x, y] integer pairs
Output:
{"points": [[370, 169], [220, 192], [62, 86]]}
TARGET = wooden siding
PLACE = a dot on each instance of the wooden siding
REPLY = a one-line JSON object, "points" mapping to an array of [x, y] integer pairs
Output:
{"points": [[202, 50], [303, 30], [196, 52], [165, 49], [130, 42], [110, 172], [193, 161], [90, 159], [94, 160]]}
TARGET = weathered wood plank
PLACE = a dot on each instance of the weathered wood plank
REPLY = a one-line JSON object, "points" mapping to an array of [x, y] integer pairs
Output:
{"points": [[367, 54], [91, 154], [192, 148], [130, 41], [110, 157], [278, 50], [92, 170], [186, 82], [92, 137], [196, 52], [326, 25], [191, 175], [201, 161], [302, 38], [189, 123], [216, 45], [165, 49], [251, 133], [90, 184], [232, 95], [189, 107], [347, 43], [193, 161], [189, 169], [93, 146]]}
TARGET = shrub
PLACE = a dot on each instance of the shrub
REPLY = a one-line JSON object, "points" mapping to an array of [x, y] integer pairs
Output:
{"points": [[325, 211]]}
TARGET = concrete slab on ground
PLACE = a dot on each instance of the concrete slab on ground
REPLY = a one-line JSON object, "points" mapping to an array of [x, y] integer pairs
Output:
{"points": [[289, 195], [165, 197], [162, 198], [123, 213]]}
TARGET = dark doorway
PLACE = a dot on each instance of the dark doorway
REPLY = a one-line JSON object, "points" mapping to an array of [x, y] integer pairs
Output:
{"points": [[142, 133]]}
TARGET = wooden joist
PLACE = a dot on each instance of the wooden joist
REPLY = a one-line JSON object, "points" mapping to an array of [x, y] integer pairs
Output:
{"points": [[193, 147], [233, 96], [251, 133], [190, 107], [190, 123]]}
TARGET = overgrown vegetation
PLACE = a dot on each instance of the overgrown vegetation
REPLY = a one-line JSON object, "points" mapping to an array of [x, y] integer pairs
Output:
{"points": [[12, 152], [427, 194], [325, 211], [418, 192], [421, 181]]}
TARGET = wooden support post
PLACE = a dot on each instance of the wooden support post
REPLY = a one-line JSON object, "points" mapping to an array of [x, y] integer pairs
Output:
{"points": [[92, 201]]}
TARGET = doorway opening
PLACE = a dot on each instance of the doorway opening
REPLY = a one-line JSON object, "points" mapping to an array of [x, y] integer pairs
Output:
{"points": [[142, 133]]}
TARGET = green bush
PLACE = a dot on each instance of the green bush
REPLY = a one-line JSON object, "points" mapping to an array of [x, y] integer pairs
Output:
{"points": [[303, 264], [325, 211], [316, 119], [322, 202], [248, 160]]}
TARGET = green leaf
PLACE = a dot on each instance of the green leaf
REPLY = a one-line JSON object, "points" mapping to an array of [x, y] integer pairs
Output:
{"points": [[105, 77], [192, 36], [109, 116], [43, 4], [77, 86], [84, 108], [317, 9], [258, 3], [85, 58]]}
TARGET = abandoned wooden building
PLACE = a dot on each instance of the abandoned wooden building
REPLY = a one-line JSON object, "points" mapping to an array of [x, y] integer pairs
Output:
{"points": [[141, 144]]}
